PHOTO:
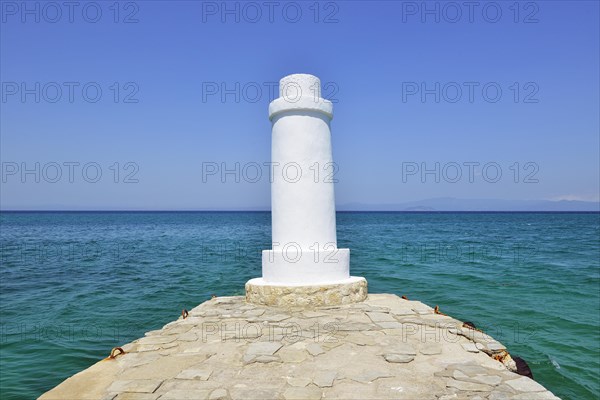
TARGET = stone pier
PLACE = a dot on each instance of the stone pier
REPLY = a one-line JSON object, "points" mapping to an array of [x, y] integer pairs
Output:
{"points": [[383, 348]]}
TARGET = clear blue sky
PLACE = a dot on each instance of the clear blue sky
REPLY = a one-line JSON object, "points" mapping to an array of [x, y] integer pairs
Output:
{"points": [[372, 54]]}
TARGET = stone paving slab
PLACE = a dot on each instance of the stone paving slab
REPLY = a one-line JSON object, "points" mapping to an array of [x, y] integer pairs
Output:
{"points": [[383, 348]]}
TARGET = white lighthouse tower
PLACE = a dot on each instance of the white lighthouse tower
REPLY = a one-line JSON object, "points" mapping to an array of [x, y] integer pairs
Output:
{"points": [[305, 266]]}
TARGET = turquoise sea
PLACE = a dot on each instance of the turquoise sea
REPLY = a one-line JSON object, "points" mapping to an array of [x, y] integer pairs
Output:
{"points": [[74, 285]]}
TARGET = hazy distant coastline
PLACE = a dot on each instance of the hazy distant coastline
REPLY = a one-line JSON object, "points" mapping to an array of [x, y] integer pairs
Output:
{"points": [[441, 204], [454, 204]]}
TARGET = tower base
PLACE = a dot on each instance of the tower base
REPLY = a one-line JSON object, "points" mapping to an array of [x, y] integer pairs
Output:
{"points": [[351, 290], [282, 267]]}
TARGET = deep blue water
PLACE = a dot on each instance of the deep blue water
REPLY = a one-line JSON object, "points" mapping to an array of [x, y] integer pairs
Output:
{"points": [[74, 285]]}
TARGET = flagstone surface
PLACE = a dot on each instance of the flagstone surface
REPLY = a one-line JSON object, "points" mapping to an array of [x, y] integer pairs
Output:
{"points": [[383, 348]]}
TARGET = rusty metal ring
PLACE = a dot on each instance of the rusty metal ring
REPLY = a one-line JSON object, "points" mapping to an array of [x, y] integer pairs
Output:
{"points": [[436, 310], [114, 350]]}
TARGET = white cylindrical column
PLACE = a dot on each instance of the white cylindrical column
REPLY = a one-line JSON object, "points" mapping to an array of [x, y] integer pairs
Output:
{"points": [[302, 189]]}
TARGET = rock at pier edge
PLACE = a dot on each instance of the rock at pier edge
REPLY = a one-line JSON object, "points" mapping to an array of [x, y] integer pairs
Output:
{"points": [[382, 348]]}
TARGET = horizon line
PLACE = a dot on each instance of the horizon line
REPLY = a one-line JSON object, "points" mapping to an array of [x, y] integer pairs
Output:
{"points": [[337, 211]]}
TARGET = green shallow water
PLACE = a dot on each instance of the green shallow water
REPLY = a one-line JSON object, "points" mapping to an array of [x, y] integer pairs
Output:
{"points": [[74, 285]]}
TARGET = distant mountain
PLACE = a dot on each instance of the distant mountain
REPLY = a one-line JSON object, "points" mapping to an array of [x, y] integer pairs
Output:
{"points": [[454, 204], [419, 208]]}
